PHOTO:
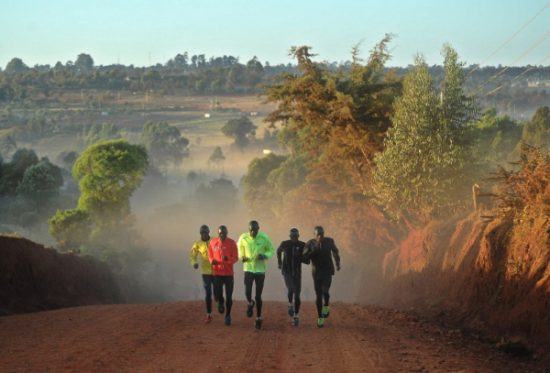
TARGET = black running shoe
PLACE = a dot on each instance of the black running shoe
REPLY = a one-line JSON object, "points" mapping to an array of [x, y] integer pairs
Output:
{"points": [[258, 324], [290, 310], [221, 308], [228, 320], [250, 309]]}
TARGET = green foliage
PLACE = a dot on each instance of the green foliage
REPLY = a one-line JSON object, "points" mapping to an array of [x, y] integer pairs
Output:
{"points": [[99, 132], [67, 159], [219, 194], [424, 169], [258, 193], [164, 143], [15, 66], [71, 228], [107, 174], [41, 183], [241, 130], [495, 138], [536, 132], [7, 145], [14, 170]]}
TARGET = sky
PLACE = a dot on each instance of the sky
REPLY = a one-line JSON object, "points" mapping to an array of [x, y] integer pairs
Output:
{"points": [[143, 32]]}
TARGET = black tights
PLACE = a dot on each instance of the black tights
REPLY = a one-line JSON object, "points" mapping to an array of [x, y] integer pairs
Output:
{"points": [[322, 296], [219, 282], [294, 285], [249, 279]]}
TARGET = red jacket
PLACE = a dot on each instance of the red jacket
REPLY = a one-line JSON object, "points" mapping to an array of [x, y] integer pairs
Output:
{"points": [[225, 252]]}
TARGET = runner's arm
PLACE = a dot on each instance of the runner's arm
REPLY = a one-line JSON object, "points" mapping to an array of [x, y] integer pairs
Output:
{"points": [[269, 249], [335, 254], [279, 254], [193, 254]]}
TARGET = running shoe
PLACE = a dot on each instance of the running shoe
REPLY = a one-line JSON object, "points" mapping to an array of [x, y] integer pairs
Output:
{"points": [[228, 320], [296, 321], [221, 308], [290, 310], [208, 319], [250, 309], [320, 322], [325, 311], [258, 323]]}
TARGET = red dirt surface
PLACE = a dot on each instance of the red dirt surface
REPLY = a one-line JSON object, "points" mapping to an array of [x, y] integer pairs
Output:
{"points": [[172, 337]]}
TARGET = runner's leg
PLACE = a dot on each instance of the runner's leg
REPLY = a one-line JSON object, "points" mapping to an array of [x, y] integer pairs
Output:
{"points": [[229, 284], [248, 279], [259, 278], [327, 281], [297, 290], [317, 281], [207, 283]]}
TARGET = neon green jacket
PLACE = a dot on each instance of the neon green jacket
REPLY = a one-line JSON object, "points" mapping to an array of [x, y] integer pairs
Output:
{"points": [[251, 247], [200, 250]]}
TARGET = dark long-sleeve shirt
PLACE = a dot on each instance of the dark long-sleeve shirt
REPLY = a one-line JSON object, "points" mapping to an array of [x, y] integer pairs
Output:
{"points": [[321, 254], [290, 257]]}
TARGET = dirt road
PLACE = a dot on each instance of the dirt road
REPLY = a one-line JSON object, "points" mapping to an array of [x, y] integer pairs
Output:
{"points": [[172, 337]]}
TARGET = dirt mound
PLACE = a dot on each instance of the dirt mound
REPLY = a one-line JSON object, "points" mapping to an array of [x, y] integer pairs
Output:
{"points": [[493, 277], [34, 278]]}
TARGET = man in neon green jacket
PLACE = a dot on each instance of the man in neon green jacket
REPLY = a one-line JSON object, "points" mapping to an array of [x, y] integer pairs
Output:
{"points": [[255, 248]]}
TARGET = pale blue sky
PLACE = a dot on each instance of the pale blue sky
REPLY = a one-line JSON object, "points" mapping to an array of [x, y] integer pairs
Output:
{"points": [[45, 31]]}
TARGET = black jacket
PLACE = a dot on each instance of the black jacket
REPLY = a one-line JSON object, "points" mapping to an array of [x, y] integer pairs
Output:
{"points": [[321, 256], [292, 257]]}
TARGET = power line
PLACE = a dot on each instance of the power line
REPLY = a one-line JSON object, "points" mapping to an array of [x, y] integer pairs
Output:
{"points": [[518, 76], [526, 52], [499, 48]]}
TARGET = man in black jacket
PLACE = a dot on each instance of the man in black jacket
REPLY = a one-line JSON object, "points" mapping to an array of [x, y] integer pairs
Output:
{"points": [[320, 251], [289, 256]]}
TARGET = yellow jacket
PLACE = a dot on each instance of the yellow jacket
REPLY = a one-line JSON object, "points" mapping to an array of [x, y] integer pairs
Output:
{"points": [[200, 249]]}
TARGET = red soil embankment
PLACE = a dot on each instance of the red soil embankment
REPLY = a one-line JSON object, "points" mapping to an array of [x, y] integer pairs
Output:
{"points": [[34, 278], [493, 277]]}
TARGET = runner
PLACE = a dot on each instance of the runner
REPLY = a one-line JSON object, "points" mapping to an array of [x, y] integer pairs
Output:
{"points": [[255, 248], [200, 250], [290, 265], [320, 251], [222, 254]]}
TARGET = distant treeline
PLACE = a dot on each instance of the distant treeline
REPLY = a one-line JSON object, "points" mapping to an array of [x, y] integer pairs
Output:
{"points": [[197, 74]]}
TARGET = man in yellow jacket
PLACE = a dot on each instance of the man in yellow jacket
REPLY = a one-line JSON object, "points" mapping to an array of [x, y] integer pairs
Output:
{"points": [[198, 257], [255, 248]]}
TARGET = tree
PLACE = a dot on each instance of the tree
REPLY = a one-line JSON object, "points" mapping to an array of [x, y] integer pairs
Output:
{"points": [[423, 170], [67, 159], [84, 63], [258, 193], [241, 130], [16, 66], [536, 132], [219, 193], [164, 143], [14, 170], [7, 145], [217, 157], [108, 173], [99, 132], [41, 183], [70, 228]]}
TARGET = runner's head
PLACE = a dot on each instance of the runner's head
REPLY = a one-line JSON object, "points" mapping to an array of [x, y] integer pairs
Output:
{"points": [[204, 232], [319, 232], [222, 232], [294, 234], [253, 228]]}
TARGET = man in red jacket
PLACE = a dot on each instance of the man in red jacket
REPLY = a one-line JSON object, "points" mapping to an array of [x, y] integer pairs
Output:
{"points": [[222, 254]]}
